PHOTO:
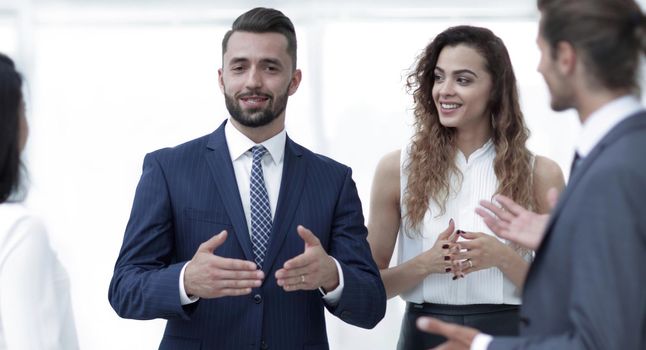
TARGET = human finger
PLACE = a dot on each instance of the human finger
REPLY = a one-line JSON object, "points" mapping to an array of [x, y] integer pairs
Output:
{"points": [[509, 205], [308, 236], [238, 284], [239, 275], [289, 273], [235, 264], [498, 211], [298, 261], [448, 231], [211, 244]]}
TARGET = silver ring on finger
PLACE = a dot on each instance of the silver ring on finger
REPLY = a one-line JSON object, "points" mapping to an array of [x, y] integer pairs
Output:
{"points": [[470, 263], [303, 279]]}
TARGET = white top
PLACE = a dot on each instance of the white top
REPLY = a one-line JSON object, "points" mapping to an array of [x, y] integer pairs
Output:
{"points": [[272, 169], [35, 307], [487, 286]]}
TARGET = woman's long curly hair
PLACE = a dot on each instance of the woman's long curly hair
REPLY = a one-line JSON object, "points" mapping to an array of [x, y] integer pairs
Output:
{"points": [[433, 148]]}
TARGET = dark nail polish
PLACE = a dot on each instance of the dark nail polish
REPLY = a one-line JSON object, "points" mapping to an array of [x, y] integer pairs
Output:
{"points": [[447, 258], [446, 246], [448, 269], [460, 232], [455, 278]]}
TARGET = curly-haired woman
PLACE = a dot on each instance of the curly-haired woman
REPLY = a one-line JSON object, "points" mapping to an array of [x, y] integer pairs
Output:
{"points": [[469, 144]]}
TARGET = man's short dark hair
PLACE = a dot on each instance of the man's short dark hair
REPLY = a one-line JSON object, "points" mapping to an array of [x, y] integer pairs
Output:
{"points": [[610, 36], [264, 20]]}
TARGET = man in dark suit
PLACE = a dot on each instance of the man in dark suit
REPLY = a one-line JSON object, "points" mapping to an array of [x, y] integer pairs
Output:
{"points": [[291, 236], [585, 289]]}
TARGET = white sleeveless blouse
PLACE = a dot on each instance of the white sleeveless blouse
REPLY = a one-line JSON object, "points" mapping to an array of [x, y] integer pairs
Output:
{"points": [[479, 182]]}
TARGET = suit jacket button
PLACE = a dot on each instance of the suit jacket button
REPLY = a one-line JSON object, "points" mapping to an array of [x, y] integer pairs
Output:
{"points": [[263, 345], [257, 299]]}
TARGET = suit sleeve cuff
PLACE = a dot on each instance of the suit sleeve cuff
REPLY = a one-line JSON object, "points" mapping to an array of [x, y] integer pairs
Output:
{"points": [[332, 297], [481, 342], [183, 297]]}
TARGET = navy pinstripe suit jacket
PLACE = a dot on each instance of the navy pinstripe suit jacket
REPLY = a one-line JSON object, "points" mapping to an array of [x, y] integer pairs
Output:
{"points": [[187, 194]]}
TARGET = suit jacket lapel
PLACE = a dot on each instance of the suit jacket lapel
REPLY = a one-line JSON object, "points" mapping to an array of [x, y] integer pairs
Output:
{"points": [[635, 122], [219, 161], [291, 188]]}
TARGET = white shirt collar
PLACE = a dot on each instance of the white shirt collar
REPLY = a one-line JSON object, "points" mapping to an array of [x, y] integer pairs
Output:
{"points": [[239, 144], [484, 150], [603, 120]]}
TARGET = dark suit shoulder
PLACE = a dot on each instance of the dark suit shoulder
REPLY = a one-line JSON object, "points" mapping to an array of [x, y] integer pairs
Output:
{"points": [[180, 151], [318, 160], [625, 153], [619, 172]]}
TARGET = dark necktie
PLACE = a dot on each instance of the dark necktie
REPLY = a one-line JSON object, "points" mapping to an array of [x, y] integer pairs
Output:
{"points": [[260, 209], [575, 163]]}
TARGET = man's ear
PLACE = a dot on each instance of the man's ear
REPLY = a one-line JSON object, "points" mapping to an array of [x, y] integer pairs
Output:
{"points": [[295, 82], [566, 58], [220, 80]]}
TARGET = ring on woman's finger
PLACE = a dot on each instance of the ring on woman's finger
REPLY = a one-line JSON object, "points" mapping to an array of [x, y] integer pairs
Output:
{"points": [[470, 263], [303, 279]]}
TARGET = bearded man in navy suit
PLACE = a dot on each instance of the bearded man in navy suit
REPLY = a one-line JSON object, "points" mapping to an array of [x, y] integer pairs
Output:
{"points": [[290, 239]]}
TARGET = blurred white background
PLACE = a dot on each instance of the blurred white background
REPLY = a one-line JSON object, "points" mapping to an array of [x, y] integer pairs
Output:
{"points": [[108, 81]]}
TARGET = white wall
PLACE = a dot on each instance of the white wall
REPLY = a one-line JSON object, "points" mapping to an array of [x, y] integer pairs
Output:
{"points": [[109, 82]]}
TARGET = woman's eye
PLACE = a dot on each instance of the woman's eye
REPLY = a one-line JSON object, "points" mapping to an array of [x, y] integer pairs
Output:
{"points": [[463, 81]]}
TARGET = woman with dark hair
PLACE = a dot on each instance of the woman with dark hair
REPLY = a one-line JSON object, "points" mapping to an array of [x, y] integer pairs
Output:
{"points": [[469, 144], [35, 308]]}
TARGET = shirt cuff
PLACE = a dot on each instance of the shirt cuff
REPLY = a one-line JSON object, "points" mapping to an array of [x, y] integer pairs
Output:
{"points": [[481, 342], [332, 297], [183, 297]]}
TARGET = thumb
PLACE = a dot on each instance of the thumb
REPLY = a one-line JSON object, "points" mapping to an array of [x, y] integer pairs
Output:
{"points": [[307, 236], [431, 325], [215, 241], [449, 230], [460, 335], [552, 197], [469, 235]]}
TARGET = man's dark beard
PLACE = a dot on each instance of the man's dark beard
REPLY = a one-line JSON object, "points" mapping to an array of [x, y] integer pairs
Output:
{"points": [[254, 118]]}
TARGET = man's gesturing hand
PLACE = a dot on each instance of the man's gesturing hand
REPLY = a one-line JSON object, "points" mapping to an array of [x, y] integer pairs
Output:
{"points": [[513, 222], [211, 276], [310, 270]]}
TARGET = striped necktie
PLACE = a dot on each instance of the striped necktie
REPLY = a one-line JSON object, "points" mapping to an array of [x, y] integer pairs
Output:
{"points": [[260, 209]]}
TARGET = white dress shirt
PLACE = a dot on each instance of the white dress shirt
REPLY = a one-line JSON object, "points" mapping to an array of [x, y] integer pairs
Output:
{"points": [[272, 167], [598, 124], [35, 303], [601, 121]]}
